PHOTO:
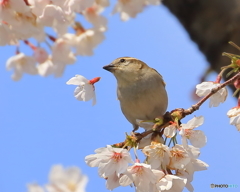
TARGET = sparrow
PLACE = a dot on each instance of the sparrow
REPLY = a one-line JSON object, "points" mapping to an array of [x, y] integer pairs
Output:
{"points": [[140, 89]]}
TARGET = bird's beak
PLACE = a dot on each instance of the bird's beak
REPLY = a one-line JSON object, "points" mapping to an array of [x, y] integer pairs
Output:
{"points": [[111, 67]]}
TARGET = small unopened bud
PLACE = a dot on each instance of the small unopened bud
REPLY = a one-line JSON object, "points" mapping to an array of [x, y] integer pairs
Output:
{"points": [[130, 141], [94, 80], [158, 122], [237, 62], [177, 115], [137, 161], [53, 39]]}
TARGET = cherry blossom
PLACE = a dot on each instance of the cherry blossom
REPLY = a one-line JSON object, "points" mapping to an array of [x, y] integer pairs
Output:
{"points": [[171, 183], [109, 161], [234, 115], [35, 188], [76, 5], [102, 3], [37, 6], [205, 88], [46, 68], [62, 55], [20, 64], [171, 130], [158, 155], [128, 8], [87, 41], [40, 54], [92, 15], [85, 90], [143, 177], [12, 10], [19, 19], [7, 35], [196, 137], [145, 141], [179, 157], [191, 167], [54, 16], [67, 180]]}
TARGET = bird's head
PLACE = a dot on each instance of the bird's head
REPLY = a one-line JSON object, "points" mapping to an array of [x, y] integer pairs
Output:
{"points": [[126, 68]]}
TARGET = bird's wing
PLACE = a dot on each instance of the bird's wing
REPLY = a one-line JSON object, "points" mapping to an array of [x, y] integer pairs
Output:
{"points": [[163, 82]]}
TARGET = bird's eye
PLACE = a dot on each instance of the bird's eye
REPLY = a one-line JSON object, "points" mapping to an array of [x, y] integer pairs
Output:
{"points": [[122, 60]]}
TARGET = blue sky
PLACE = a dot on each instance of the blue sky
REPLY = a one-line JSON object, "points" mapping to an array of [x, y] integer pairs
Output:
{"points": [[42, 124]]}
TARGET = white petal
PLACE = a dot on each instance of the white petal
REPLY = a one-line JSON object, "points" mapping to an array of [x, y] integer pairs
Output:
{"points": [[125, 180], [78, 93], [204, 88], [170, 131], [107, 168], [184, 141], [145, 141], [178, 184], [158, 174], [165, 184], [17, 75], [112, 182], [46, 68], [35, 188], [198, 138], [238, 127], [199, 165], [196, 121], [189, 187], [77, 80], [94, 101], [233, 112], [12, 61], [235, 120], [84, 93], [193, 152], [92, 160]]}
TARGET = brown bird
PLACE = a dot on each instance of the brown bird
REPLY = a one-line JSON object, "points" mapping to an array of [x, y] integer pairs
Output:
{"points": [[140, 90]]}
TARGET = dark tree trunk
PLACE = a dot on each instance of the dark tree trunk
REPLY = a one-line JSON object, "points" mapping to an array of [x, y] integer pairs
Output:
{"points": [[211, 24]]}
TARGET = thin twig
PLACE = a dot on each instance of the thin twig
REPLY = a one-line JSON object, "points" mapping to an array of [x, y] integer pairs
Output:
{"points": [[214, 90]]}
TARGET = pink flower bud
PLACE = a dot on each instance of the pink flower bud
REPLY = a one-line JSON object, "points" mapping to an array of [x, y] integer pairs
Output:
{"points": [[237, 84], [40, 55], [94, 80], [238, 62]]}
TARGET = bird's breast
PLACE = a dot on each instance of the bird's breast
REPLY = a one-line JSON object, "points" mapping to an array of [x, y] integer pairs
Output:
{"points": [[142, 101]]}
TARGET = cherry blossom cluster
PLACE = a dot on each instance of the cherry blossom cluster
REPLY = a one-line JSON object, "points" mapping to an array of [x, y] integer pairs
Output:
{"points": [[62, 179], [165, 168], [21, 20]]}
